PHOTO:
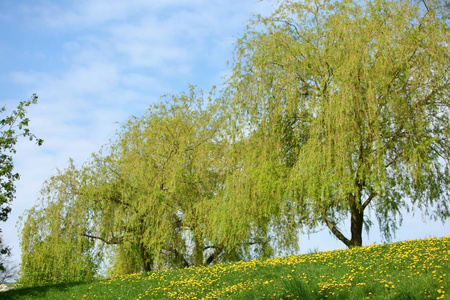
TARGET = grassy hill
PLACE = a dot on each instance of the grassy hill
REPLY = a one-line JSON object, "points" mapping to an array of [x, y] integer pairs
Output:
{"points": [[418, 269]]}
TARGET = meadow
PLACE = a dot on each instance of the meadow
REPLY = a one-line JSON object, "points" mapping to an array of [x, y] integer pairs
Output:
{"points": [[417, 269]]}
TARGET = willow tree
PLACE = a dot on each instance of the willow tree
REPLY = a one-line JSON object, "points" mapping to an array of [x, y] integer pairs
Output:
{"points": [[156, 192], [140, 198], [349, 103], [52, 243], [149, 189]]}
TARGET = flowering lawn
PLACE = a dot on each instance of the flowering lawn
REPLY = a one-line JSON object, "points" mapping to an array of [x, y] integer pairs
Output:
{"points": [[418, 269]]}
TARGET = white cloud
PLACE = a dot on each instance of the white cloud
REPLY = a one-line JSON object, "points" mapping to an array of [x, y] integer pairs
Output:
{"points": [[143, 82], [163, 59], [88, 13]]}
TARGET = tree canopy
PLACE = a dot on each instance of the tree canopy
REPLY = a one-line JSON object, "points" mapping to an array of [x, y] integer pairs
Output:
{"points": [[332, 109], [11, 128], [140, 201], [354, 98]]}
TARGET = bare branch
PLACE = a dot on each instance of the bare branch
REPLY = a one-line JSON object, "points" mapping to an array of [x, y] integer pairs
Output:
{"points": [[111, 241], [368, 200], [337, 233]]}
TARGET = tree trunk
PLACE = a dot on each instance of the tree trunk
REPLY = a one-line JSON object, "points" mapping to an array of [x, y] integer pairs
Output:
{"points": [[356, 223], [213, 256], [147, 259], [356, 226]]}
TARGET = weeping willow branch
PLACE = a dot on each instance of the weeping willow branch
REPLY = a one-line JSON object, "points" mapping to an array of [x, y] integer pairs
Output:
{"points": [[111, 241]]}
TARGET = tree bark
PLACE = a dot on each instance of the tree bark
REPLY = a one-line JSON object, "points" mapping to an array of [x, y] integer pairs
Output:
{"points": [[147, 259], [334, 230], [213, 256], [111, 241], [356, 223]]}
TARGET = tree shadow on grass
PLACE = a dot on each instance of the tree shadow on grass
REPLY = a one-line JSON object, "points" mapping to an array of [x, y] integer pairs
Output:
{"points": [[39, 292]]}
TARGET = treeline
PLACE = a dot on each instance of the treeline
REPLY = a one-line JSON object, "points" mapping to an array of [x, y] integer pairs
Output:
{"points": [[332, 109], [148, 199]]}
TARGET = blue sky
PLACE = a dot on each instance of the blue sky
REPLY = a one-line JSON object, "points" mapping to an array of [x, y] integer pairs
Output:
{"points": [[94, 63]]}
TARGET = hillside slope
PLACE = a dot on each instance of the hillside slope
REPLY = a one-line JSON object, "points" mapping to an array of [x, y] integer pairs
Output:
{"points": [[417, 269]]}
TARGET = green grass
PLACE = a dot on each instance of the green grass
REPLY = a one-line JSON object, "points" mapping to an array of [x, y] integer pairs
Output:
{"points": [[417, 269]]}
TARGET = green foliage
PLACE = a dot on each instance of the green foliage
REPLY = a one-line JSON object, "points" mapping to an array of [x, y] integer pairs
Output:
{"points": [[54, 248], [127, 260], [332, 108], [148, 191], [346, 105], [11, 128], [408, 270], [143, 201]]}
